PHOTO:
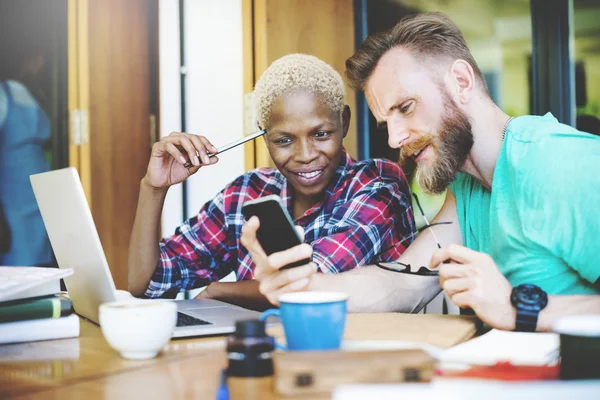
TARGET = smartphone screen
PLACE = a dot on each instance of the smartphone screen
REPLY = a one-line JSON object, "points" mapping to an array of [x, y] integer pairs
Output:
{"points": [[276, 232]]}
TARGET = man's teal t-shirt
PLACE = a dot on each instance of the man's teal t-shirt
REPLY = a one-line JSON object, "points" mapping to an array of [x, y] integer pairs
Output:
{"points": [[541, 220]]}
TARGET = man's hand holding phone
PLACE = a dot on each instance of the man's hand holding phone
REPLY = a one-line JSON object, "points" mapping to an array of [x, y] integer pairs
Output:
{"points": [[273, 280], [171, 153]]}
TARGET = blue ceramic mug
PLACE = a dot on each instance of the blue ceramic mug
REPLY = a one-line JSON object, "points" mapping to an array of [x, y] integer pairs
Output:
{"points": [[311, 320]]}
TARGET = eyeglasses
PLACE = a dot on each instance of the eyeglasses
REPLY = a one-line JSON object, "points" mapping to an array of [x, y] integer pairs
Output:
{"points": [[397, 266]]}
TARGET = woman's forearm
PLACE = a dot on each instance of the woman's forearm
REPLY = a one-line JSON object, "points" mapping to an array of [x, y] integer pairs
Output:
{"points": [[242, 293], [143, 247]]}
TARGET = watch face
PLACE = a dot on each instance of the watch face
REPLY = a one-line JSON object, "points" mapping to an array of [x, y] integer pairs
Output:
{"points": [[528, 295]]}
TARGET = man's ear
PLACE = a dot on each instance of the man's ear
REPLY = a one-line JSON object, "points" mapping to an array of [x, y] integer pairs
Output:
{"points": [[462, 79], [346, 119]]}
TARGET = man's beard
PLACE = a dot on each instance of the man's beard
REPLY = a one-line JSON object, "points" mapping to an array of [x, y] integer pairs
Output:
{"points": [[451, 147]]}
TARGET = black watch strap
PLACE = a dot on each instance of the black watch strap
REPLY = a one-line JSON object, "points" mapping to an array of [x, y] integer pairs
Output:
{"points": [[526, 319]]}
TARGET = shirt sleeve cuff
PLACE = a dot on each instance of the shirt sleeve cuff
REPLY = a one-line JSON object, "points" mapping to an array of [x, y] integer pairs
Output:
{"points": [[324, 264]]}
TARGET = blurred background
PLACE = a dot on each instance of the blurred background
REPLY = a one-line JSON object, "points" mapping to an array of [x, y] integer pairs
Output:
{"points": [[93, 83]]}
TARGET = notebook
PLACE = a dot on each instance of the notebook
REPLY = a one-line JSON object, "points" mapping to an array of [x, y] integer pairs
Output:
{"points": [[39, 329], [24, 282]]}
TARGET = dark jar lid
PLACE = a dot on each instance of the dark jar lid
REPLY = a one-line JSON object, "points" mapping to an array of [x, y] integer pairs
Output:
{"points": [[250, 328], [249, 350]]}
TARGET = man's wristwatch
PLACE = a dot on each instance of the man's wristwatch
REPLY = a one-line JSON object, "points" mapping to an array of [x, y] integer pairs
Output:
{"points": [[529, 300]]}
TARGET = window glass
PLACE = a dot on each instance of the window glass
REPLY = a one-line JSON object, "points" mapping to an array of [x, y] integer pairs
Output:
{"points": [[498, 34], [586, 18], [33, 121]]}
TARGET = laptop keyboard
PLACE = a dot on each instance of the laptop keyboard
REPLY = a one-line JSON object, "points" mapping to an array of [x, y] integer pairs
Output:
{"points": [[188, 320]]}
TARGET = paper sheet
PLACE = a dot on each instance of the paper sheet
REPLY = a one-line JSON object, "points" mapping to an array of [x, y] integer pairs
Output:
{"points": [[461, 389], [520, 348]]}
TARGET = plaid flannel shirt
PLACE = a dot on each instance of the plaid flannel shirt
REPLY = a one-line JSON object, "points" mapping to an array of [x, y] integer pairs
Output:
{"points": [[366, 208]]}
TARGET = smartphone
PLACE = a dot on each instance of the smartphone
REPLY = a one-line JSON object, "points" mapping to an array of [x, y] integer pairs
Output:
{"points": [[276, 232], [230, 146]]}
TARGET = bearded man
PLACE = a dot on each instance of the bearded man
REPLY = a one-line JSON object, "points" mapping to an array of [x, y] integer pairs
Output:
{"points": [[517, 238]]}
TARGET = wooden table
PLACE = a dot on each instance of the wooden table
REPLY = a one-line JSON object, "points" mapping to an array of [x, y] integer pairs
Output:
{"points": [[87, 368]]}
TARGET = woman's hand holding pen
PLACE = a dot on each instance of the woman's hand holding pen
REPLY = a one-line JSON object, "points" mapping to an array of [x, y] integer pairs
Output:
{"points": [[171, 153]]}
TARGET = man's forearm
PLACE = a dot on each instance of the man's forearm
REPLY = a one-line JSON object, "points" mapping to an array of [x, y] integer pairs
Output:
{"points": [[372, 289], [560, 306], [242, 293], [143, 246]]}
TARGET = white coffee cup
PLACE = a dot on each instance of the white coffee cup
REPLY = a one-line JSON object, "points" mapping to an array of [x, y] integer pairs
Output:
{"points": [[138, 329]]}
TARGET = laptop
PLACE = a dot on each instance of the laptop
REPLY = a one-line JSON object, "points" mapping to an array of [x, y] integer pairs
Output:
{"points": [[76, 245]]}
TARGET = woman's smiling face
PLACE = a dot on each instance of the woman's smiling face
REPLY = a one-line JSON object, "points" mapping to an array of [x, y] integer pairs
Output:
{"points": [[304, 138]]}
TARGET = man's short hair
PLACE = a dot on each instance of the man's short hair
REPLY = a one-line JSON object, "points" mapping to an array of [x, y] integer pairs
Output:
{"points": [[429, 36], [298, 73]]}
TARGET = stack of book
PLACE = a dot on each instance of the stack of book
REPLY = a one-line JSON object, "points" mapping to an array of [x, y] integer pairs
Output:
{"points": [[32, 306]]}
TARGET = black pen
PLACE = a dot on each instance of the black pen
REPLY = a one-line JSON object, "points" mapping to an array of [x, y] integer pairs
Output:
{"points": [[229, 146]]}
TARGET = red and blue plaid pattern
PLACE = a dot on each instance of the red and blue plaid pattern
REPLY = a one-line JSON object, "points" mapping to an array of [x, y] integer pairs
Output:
{"points": [[365, 209]]}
